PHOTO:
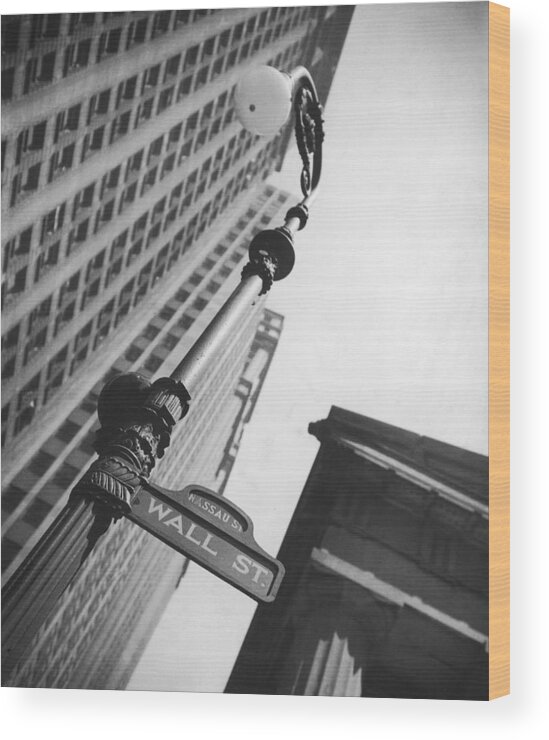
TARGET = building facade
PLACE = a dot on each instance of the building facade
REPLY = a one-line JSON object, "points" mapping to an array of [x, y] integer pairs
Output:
{"points": [[129, 196], [386, 586], [241, 407]]}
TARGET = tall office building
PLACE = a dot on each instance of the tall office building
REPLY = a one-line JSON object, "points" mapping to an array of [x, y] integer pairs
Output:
{"points": [[239, 411], [386, 586], [130, 194]]}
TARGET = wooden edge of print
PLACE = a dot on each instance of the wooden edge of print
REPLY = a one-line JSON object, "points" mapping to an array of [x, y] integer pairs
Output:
{"points": [[498, 202]]}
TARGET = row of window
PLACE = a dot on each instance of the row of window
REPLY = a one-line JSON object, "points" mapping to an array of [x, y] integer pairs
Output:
{"points": [[79, 117], [44, 27], [42, 69], [78, 53], [102, 269], [201, 127], [110, 316], [120, 187]]}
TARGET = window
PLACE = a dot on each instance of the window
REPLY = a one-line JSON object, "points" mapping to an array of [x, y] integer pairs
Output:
{"points": [[8, 371], [68, 289], [37, 512], [202, 77], [44, 27], [224, 40], [10, 338], [46, 260], [153, 234], [119, 244], [165, 99], [231, 59], [31, 139], [95, 266], [83, 199], [158, 210], [24, 243], [208, 49], [127, 197], [191, 125], [185, 87], [172, 66], [191, 57], [145, 273], [78, 235], [134, 162], [105, 316], [8, 77], [149, 180], [109, 42], [61, 161], [250, 25], [174, 135], [175, 195], [114, 270], [26, 404], [120, 126], [76, 56], [185, 322], [126, 90], [104, 215], [134, 252], [155, 149], [39, 71], [80, 19], [68, 431], [65, 476], [144, 111], [30, 184], [91, 290], [152, 364], [137, 32], [139, 226], [52, 222], [161, 23], [66, 121], [182, 17], [206, 114], [99, 104], [35, 344], [82, 338], [167, 165], [10, 33], [150, 78], [93, 142], [217, 67]]}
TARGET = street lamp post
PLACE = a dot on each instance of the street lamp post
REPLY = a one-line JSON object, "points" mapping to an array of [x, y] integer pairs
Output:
{"points": [[137, 416]]}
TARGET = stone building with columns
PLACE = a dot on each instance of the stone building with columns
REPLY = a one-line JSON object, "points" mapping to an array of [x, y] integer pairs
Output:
{"points": [[386, 586]]}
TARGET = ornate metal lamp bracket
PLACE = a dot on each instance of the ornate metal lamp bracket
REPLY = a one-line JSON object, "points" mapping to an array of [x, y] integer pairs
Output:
{"points": [[137, 418], [309, 133]]}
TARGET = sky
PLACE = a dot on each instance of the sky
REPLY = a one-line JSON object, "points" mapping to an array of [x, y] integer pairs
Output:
{"points": [[386, 308]]}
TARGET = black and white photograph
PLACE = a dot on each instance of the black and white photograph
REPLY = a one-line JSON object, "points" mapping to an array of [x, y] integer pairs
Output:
{"points": [[245, 338]]}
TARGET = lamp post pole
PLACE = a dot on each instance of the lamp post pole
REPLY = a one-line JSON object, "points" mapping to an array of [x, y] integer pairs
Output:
{"points": [[137, 416]]}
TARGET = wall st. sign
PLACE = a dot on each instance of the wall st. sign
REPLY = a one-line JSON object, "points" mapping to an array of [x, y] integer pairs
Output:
{"points": [[213, 532]]}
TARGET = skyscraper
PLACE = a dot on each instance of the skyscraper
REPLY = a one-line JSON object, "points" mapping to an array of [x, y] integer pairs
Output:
{"points": [[130, 195], [386, 586]]}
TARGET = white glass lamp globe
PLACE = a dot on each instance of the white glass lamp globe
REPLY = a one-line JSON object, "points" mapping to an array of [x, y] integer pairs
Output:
{"points": [[263, 99]]}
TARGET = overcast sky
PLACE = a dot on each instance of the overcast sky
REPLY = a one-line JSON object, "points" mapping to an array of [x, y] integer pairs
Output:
{"points": [[386, 309]]}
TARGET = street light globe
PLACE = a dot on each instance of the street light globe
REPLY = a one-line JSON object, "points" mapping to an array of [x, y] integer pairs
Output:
{"points": [[263, 99]]}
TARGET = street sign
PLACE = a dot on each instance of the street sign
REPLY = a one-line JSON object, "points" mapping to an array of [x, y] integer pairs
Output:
{"points": [[213, 532]]}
